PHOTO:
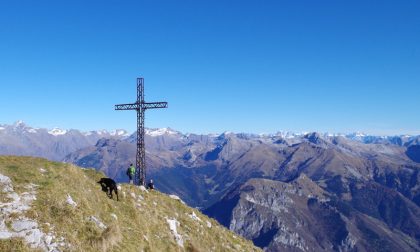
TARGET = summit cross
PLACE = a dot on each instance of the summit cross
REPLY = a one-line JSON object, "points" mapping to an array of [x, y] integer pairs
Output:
{"points": [[141, 106]]}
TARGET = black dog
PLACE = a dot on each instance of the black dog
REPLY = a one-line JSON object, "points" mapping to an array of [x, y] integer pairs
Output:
{"points": [[108, 185]]}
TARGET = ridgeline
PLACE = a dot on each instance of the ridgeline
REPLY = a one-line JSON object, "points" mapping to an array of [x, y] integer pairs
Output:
{"points": [[52, 206]]}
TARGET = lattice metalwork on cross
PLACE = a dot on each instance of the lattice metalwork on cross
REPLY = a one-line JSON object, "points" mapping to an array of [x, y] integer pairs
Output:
{"points": [[141, 106]]}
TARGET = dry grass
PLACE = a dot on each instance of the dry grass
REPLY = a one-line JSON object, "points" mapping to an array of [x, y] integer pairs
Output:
{"points": [[108, 239], [13, 244], [140, 224]]}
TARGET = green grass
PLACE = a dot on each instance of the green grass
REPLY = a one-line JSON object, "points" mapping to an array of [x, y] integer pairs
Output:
{"points": [[136, 228]]}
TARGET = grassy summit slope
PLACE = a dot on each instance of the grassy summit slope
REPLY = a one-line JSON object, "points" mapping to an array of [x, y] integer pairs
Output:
{"points": [[69, 212]]}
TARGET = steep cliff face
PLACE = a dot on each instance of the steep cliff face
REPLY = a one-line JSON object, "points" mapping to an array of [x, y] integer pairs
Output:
{"points": [[413, 152], [47, 206], [301, 216]]}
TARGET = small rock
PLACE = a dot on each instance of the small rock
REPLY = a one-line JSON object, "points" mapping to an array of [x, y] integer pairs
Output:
{"points": [[4, 234], [14, 196], [98, 223], [6, 182], [173, 224], [28, 197], [208, 224], [48, 239], [53, 246], [119, 187], [142, 188], [70, 201], [194, 217], [175, 197], [30, 186], [133, 195], [154, 203], [114, 216], [42, 170], [20, 225], [34, 238]]}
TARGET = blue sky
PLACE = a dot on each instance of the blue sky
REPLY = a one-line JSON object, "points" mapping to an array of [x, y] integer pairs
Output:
{"points": [[242, 66]]}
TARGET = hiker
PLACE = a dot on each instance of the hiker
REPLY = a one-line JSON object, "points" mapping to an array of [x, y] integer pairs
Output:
{"points": [[131, 171], [150, 185]]}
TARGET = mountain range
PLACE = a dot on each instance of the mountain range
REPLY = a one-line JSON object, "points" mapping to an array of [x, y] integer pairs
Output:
{"points": [[54, 144], [283, 191]]}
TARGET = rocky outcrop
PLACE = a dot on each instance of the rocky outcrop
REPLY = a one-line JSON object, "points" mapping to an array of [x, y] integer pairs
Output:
{"points": [[14, 223], [301, 216]]}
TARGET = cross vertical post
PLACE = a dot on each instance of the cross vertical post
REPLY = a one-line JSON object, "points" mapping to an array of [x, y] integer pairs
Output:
{"points": [[141, 106]]}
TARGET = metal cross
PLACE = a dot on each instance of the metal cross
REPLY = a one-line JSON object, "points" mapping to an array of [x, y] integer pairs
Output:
{"points": [[141, 106]]}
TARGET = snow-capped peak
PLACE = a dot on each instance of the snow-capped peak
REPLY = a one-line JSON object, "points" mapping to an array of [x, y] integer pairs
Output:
{"points": [[105, 133], [57, 132], [32, 130], [88, 133], [102, 132], [160, 132], [96, 132], [119, 132], [359, 134], [289, 135], [227, 133], [19, 126], [19, 123]]}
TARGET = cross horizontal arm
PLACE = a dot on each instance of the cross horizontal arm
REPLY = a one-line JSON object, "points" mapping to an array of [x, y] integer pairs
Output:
{"points": [[154, 105], [131, 106], [144, 105]]}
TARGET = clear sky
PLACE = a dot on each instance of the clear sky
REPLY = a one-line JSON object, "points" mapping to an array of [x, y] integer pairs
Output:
{"points": [[243, 66]]}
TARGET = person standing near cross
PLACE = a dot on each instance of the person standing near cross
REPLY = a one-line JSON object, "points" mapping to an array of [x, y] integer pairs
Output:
{"points": [[131, 171]]}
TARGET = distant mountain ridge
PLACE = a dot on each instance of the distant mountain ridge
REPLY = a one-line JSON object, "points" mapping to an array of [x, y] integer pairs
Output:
{"points": [[54, 144], [19, 127]]}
